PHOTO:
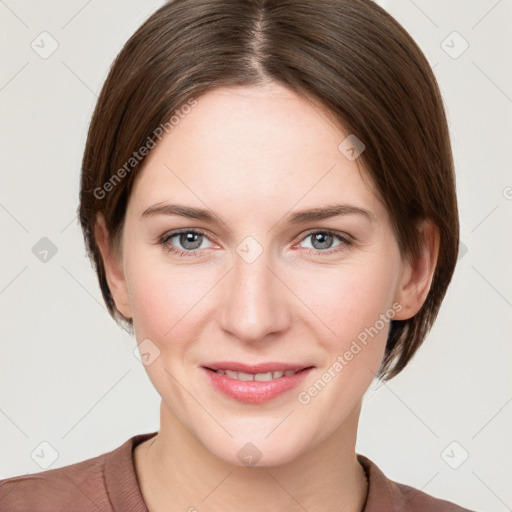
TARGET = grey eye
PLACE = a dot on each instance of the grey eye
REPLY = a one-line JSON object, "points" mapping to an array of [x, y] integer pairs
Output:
{"points": [[322, 240], [190, 240]]}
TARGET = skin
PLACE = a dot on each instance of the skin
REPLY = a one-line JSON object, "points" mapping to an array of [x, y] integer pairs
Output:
{"points": [[253, 156]]}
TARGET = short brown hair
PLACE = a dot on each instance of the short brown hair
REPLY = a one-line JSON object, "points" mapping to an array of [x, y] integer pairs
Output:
{"points": [[350, 55]]}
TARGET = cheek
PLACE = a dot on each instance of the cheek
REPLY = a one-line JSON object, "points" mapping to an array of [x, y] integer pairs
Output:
{"points": [[151, 301], [356, 309], [158, 300], [162, 299], [351, 299], [166, 300]]}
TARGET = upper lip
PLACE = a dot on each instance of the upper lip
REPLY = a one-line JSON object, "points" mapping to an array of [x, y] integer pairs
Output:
{"points": [[255, 368]]}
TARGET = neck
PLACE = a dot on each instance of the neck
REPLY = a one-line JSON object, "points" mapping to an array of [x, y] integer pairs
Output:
{"points": [[176, 472]]}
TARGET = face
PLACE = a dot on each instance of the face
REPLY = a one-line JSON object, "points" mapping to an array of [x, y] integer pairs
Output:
{"points": [[258, 288]]}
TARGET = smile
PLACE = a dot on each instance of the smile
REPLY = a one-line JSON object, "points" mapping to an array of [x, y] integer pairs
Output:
{"points": [[254, 384]]}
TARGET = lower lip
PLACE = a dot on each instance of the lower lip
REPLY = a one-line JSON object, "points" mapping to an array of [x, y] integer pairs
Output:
{"points": [[255, 392]]}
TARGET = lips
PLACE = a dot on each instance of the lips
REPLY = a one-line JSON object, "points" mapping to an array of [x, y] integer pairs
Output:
{"points": [[256, 383]]}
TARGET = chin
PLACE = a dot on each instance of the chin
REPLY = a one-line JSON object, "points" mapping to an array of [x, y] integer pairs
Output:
{"points": [[264, 453], [260, 442]]}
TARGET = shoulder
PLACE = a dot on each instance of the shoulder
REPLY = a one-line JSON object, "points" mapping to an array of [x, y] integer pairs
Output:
{"points": [[385, 494], [103, 483], [72, 487], [419, 501]]}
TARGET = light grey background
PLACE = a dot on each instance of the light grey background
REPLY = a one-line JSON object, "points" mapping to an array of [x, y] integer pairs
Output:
{"points": [[68, 375]]}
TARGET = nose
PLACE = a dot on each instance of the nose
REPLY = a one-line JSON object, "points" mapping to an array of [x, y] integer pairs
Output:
{"points": [[255, 300]]}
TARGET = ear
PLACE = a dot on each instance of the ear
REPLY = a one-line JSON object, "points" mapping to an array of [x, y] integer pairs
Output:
{"points": [[416, 276], [112, 261]]}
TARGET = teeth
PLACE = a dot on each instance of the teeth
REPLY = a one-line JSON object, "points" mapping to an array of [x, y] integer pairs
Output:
{"points": [[263, 376], [260, 377]]}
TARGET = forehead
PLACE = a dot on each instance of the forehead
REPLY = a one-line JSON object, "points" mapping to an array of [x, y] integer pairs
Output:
{"points": [[262, 145]]}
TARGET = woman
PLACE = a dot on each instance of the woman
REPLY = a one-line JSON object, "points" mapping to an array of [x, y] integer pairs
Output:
{"points": [[268, 199]]}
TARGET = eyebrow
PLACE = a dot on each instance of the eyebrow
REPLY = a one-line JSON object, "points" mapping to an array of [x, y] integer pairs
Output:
{"points": [[298, 217]]}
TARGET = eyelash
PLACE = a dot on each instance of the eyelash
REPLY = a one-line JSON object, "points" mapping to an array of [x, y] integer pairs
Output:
{"points": [[164, 241]]}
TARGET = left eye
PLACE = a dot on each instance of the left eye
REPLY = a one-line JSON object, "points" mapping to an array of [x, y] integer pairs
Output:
{"points": [[322, 241]]}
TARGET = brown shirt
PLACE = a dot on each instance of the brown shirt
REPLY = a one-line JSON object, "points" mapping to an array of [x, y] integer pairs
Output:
{"points": [[108, 483]]}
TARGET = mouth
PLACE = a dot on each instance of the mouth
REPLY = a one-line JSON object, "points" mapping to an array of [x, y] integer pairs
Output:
{"points": [[260, 377], [255, 383]]}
